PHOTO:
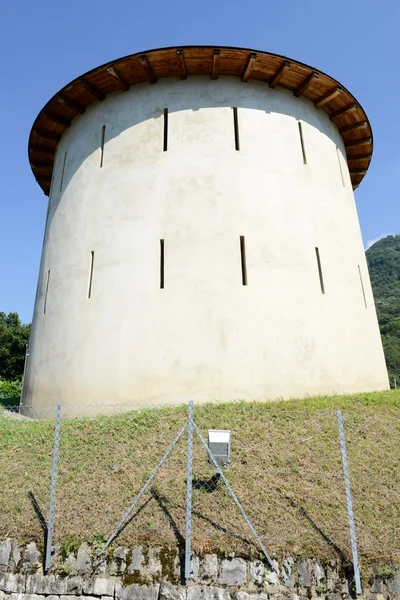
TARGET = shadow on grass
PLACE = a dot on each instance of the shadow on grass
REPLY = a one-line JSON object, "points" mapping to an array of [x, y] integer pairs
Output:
{"points": [[42, 521], [207, 485], [162, 503], [348, 567]]}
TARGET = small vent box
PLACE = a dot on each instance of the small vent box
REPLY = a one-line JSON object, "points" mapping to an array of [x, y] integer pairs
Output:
{"points": [[219, 443]]}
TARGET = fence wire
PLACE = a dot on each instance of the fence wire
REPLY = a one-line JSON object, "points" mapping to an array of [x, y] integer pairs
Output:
{"points": [[285, 469]]}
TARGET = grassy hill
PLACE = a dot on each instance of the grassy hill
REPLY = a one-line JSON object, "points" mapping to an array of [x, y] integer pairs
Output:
{"points": [[384, 267], [285, 468]]}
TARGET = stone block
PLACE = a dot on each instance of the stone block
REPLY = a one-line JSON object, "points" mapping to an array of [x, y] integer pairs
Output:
{"points": [[5, 552], [303, 571], [393, 583], [31, 559], [121, 553], [245, 596], [197, 592], [41, 584], [83, 565], [12, 583], [209, 567], [319, 572], [154, 564], [377, 586], [271, 577], [287, 575], [172, 592], [15, 555], [194, 568], [73, 585], [137, 559], [103, 586], [233, 572], [257, 571], [137, 592]]}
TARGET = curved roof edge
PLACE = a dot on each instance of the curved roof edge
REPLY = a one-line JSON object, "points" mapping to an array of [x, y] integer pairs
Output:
{"points": [[325, 92]]}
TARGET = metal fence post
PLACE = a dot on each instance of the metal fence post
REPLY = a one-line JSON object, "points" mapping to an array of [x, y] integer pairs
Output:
{"points": [[50, 526], [142, 491], [235, 499], [189, 491], [353, 539]]}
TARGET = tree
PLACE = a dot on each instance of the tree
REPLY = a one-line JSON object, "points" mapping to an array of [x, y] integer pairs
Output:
{"points": [[384, 267], [14, 336]]}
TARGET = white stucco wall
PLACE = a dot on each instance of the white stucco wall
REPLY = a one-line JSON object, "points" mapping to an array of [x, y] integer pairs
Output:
{"points": [[205, 335]]}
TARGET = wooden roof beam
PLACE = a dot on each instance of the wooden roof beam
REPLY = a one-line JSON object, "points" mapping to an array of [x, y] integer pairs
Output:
{"points": [[181, 63], [57, 119], [304, 85], [71, 103], [92, 89], [354, 127], [215, 63], [44, 150], [344, 111], [328, 97], [250, 64], [111, 69], [362, 157], [358, 143], [38, 164], [359, 173], [275, 79], [48, 135], [151, 76]]}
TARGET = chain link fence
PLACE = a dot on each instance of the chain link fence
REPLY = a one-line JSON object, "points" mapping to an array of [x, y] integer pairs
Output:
{"points": [[285, 471]]}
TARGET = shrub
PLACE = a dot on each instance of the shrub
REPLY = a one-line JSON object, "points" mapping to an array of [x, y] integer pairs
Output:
{"points": [[10, 392]]}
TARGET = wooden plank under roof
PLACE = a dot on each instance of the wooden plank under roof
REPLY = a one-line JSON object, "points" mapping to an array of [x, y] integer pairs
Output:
{"points": [[213, 61]]}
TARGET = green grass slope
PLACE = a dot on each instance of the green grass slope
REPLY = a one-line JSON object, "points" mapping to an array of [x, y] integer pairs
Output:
{"points": [[285, 469]]}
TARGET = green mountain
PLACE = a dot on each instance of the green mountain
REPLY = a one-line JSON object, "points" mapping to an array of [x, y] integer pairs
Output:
{"points": [[384, 267]]}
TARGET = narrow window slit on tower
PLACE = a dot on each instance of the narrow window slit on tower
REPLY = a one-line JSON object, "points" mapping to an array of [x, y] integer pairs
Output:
{"points": [[321, 279], [243, 259], [340, 164], [165, 146], [162, 264], [362, 286], [91, 273], [236, 127], [62, 172], [45, 294], [303, 149], [103, 135]]}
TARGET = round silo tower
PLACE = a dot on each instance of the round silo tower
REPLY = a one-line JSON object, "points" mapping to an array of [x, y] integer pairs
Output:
{"points": [[202, 238]]}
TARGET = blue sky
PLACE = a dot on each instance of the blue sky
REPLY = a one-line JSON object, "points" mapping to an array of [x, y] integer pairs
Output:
{"points": [[45, 44]]}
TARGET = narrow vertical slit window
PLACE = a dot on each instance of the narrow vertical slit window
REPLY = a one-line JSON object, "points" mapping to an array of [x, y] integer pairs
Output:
{"points": [[303, 149], [340, 165], [46, 291], [165, 143], [62, 172], [103, 135], [162, 256], [236, 127], [321, 278], [362, 286], [243, 259], [91, 273]]}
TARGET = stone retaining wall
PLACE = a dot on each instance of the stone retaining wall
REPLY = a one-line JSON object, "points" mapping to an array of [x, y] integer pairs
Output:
{"points": [[155, 574]]}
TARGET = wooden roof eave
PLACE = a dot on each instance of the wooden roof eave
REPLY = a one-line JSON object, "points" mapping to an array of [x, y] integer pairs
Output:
{"points": [[119, 75]]}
